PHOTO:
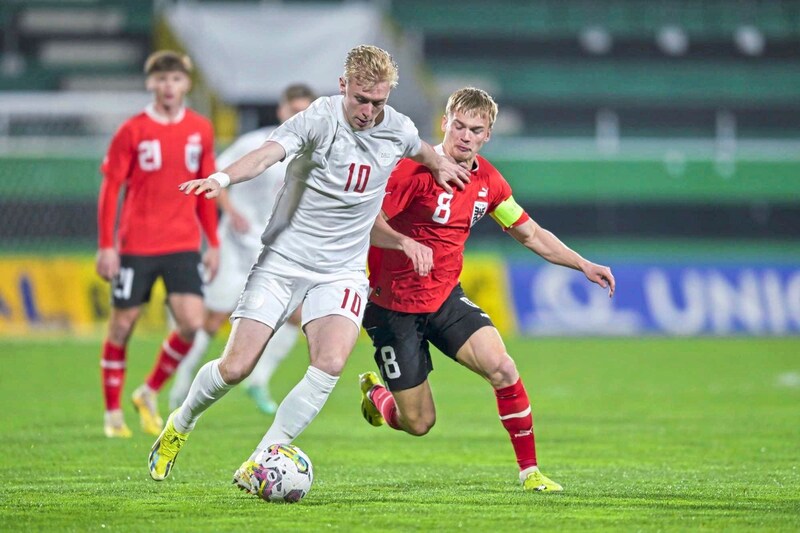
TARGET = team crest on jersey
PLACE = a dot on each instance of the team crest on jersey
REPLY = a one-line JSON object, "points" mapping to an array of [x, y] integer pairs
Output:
{"points": [[385, 157], [478, 210], [193, 151]]}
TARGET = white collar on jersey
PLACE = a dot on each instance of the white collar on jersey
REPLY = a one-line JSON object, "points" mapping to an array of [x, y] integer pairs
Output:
{"points": [[163, 119], [439, 149]]}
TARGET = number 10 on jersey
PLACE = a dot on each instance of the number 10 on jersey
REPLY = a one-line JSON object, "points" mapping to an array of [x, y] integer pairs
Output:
{"points": [[362, 177]]}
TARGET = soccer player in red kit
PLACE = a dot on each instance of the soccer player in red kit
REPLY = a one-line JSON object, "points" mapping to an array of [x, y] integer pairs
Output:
{"points": [[159, 232], [406, 312]]}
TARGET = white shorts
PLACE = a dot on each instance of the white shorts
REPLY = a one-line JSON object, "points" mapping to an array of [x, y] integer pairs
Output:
{"points": [[277, 286], [235, 261]]}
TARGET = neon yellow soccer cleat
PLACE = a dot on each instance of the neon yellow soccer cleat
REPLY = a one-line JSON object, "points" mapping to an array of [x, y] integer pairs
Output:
{"points": [[368, 380], [144, 400], [244, 478], [165, 450], [114, 426], [538, 482]]}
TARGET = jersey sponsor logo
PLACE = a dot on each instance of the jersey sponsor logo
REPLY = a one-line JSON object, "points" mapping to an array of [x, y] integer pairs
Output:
{"points": [[192, 153], [484, 192], [478, 210]]}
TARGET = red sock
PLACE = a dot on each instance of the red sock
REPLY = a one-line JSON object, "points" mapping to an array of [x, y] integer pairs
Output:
{"points": [[173, 350], [515, 414], [385, 403], [112, 365]]}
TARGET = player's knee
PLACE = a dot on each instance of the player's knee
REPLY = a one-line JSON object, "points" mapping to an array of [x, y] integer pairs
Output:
{"points": [[120, 329], [419, 426], [330, 364], [233, 372], [503, 373], [188, 326]]}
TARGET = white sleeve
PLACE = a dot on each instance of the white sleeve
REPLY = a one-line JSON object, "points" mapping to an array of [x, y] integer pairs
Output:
{"points": [[304, 131], [411, 139]]}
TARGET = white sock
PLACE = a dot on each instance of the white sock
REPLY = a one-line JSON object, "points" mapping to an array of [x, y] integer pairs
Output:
{"points": [[524, 474], [207, 387], [298, 409], [276, 351], [185, 372]]}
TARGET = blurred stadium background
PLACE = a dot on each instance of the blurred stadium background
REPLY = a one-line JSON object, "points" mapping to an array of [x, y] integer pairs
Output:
{"points": [[662, 138]]}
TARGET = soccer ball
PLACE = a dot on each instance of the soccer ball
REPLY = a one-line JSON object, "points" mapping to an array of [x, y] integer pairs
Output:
{"points": [[284, 474]]}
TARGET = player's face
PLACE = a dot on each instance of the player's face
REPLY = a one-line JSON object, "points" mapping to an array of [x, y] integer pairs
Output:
{"points": [[464, 135], [169, 88], [287, 110], [363, 105]]}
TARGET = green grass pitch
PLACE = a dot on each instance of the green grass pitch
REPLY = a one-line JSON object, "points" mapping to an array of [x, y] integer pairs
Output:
{"points": [[644, 434]]}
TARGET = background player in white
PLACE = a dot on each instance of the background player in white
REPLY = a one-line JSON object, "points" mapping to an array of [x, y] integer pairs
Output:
{"points": [[315, 246], [246, 209]]}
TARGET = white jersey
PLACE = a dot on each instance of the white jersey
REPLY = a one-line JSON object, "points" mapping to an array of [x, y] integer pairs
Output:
{"points": [[254, 199], [335, 184]]}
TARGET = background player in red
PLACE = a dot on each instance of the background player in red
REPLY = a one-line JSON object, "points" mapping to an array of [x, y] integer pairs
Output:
{"points": [[159, 231], [406, 311]]}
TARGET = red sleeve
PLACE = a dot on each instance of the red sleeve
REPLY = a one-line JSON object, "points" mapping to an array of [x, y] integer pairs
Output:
{"points": [[115, 168], [207, 209], [207, 214], [403, 186]]}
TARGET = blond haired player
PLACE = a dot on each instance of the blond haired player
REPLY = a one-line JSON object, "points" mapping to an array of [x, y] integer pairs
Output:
{"points": [[315, 246], [246, 209], [406, 312]]}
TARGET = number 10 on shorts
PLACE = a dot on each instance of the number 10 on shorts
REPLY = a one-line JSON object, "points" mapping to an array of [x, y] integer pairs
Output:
{"points": [[354, 302]]}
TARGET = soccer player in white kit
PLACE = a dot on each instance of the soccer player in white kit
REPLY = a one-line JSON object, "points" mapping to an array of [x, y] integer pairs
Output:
{"points": [[246, 209], [315, 247]]}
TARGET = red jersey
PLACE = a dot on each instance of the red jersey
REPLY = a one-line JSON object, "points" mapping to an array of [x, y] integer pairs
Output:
{"points": [[418, 208], [151, 157]]}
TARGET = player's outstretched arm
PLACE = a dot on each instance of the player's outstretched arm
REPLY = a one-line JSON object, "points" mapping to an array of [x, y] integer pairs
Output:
{"points": [[548, 246], [246, 168], [383, 236], [444, 170]]}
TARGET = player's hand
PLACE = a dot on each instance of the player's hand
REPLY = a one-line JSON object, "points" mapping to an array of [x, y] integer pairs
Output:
{"points": [[601, 275], [450, 172], [107, 264], [208, 186], [211, 263], [238, 222], [421, 256]]}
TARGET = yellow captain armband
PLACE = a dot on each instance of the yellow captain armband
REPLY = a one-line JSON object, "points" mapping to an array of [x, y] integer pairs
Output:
{"points": [[507, 213]]}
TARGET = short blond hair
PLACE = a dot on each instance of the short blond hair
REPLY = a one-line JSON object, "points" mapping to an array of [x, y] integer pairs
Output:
{"points": [[370, 65], [167, 61], [472, 101]]}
